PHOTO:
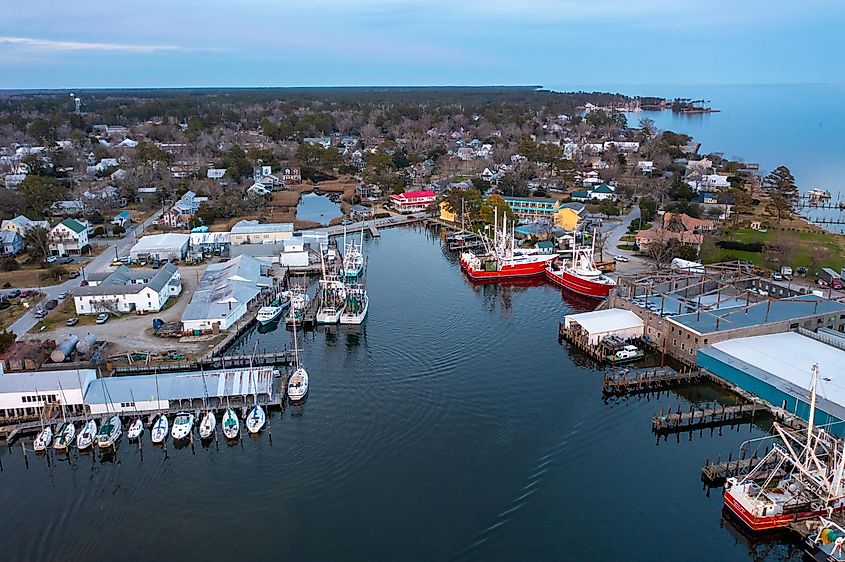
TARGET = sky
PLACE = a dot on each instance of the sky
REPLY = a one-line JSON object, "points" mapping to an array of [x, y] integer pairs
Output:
{"points": [[554, 43]]}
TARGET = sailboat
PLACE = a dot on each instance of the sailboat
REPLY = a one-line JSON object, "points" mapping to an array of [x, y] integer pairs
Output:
{"points": [[86, 434], [136, 426], [298, 382], [256, 418], [182, 425], [209, 420], [332, 298], [159, 431], [110, 431], [67, 431], [45, 436], [353, 258], [230, 423]]}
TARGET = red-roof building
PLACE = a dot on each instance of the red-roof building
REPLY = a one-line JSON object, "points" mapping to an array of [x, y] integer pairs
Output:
{"points": [[412, 201]]}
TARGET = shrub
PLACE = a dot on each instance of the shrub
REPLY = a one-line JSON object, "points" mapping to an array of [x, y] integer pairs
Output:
{"points": [[9, 264], [381, 215], [755, 247]]}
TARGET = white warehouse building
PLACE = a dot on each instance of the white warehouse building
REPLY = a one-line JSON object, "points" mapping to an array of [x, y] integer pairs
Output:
{"points": [[26, 393], [592, 327], [170, 246], [129, 290]]}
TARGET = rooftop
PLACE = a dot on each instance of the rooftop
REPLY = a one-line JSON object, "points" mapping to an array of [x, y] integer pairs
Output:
{"points": [[158, 241], [124, 281], [225, 284], [764, 312], [608, 320], [253, 227], [46, 381]]}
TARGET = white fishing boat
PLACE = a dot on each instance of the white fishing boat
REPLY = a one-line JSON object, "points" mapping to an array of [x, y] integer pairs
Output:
{"points": [[135, 429], [43, 439], [182, 425], [332, 300], [299, 301], [353, 257], [357, 303], [230, 423], [273, 311], [255, 419], [159, 431], [64, 436], [86, 436], [110, 432], [208, 425]]}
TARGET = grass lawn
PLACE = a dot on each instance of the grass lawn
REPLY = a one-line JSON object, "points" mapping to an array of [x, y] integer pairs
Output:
{"points": [[812, 250], [629, 247], [10, 315], [59, 315]]}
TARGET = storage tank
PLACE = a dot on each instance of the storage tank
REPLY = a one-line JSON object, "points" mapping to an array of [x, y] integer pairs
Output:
{"points": [[86, 344], [64, 349]]}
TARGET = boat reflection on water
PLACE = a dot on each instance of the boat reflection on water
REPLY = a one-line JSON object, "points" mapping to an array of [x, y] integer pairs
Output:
{"points": [[268, 327], [777, 544]]}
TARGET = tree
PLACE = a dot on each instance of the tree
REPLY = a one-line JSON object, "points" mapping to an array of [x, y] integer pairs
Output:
{"points": [[608, 207], [648, 209], [783, 193], [40, 192], [37, 241], [206, 214], [495, 205], [513, 185], [469, 199]]}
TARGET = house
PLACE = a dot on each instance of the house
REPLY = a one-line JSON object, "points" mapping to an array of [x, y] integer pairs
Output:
{"points": [[622, 146], [258, 190], [687, 230], [552, 211], [13, 181], [22, 225], [70, 207], [170, 246], [645, 167], [146, 194], [489, 176], [361, 212], [127, 143], [253, 232], [412, 201], [68, 237], [224, 294], [446, 214], [597, 193], [712, 182], [215, 173], [325, 142], [368, 191], [128, 290], [122, 219], [465, 153], [11, 243], [291, 175], [183, 211], [718, 204]]}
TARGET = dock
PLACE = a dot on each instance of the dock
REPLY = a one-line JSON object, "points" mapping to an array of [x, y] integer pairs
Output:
{"points": [[677, 421], [714, 474], [648, 380]]}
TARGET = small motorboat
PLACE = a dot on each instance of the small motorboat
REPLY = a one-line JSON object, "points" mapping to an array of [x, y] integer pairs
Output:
{"points": [[86, 435], [256, 418], [267, 314], [182, 426], [298, 385], [136, 429], [230, 423], [64, 436], [110, 432], [207, 425], [159, 431], [43, 439]]}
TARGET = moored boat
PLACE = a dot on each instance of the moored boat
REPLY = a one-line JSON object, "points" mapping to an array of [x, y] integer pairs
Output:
{"points": [[298, 385], [353, 257], [332, 300], [357, 303], [580, 275], [627, 354], [65, 436], [43, 439], [299, 301], [183, 423], [267, 314], [135, 429], [230, 424], [159, 431], [86, 436], [255, 419], [110, 432], [208, 425]]}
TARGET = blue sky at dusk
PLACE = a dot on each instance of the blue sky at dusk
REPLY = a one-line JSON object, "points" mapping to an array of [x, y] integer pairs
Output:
{"points": [[184, 43]]}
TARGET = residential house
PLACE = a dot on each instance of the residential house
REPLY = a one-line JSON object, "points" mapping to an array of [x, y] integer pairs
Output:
{"points": [[412, 201], [68, 237], [13, 181], [215, 173], [147, 194], [596, 192], [489, 176], [325, 142], [361, 212], [712, 182], [465, 153], [534, 209], [22, 225], [258, 190], [291, 175], [11, 243], [128, 290], [368, 191], [183, 211], [645, 167], [224, 294], [719, 205], [687, 230], [127, 143], [122, 219], [622, 146], [68, 207]]}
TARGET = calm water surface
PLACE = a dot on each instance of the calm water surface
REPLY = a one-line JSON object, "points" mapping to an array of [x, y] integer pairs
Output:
{"points": [[451, 426], [317, 208]]}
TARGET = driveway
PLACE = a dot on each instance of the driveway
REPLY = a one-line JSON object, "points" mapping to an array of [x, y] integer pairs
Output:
{"points": [[99, 263], [614, 238]]}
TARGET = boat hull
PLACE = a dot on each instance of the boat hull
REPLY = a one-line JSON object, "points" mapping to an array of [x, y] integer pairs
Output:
{"points": [[351, 319], [758, 523], [579, 285], [508, 271]]}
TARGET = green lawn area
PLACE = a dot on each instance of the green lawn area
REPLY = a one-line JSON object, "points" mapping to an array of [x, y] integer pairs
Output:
{"points": [[629, 247], [812, 250]]}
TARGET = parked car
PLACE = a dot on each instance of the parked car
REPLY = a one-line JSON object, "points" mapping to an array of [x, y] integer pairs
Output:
{"points": [[621, 258], [73, 275], [51, 304], [776, 276], [27, 293], [13, 294], [102, 318], [4, 304], [801, 271], [63, 295], [66, 259], [52, 259], [72, 321], [40, 313], [346, 222], [116, 263]]}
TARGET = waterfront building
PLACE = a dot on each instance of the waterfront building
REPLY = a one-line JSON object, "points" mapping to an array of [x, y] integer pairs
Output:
{"points": [[128, 290], [27, 393], [253, 232], [552, 211], [590, 328], [224, 294], [412, 201], [169, 246]]}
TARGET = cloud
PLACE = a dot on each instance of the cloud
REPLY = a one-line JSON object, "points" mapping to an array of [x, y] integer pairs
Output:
{"points": [[56, 46]]}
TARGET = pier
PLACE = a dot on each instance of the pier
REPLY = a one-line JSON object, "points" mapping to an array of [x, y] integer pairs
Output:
{"points": [[648, 380], [714, 474], [673, 422]]}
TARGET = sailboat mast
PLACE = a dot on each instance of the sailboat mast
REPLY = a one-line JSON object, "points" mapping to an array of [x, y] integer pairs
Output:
{"points": [[812, 415], [62, 392]]}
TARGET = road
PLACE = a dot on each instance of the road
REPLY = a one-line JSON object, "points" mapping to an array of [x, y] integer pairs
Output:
{"points": [[614, 238], [26, 322]]}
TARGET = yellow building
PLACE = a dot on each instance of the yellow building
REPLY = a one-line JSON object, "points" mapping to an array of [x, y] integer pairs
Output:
{"points": [[445, 214], [567, 218], [565, 215]]}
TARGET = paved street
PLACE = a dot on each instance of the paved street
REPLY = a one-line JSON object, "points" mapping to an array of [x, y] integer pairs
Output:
{"points": [[99, 263]]}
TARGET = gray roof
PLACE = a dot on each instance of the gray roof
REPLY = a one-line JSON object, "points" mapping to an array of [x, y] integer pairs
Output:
{"points": [[236, 281], [254, 227], [765, 312], [168, 241], [180, 386], [125, 281], [45, 381]]}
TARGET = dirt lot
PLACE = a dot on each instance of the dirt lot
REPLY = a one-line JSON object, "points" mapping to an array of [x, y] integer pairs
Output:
{"points": [[134, 333]]}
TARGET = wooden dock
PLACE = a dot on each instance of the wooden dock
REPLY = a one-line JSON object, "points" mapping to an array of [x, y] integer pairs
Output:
{"points": [[672, 422], [648, 380], [715, 473]]}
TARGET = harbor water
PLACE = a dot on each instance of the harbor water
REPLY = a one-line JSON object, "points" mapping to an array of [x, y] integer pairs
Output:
{"points": [[452, 425], [317, 208]]}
